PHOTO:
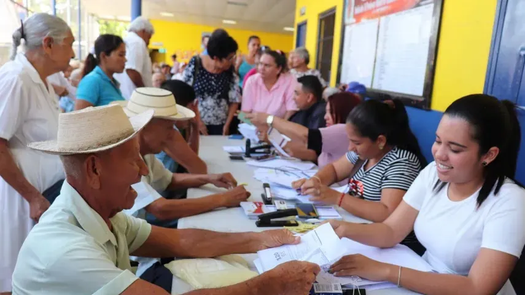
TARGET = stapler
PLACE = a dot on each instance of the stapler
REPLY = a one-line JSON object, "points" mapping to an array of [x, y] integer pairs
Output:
{"points": [[265, 220], [262, 149]]}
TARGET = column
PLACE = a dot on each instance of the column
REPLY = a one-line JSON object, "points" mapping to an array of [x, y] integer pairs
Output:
{"points": [[136, 9], [53, 7], [79, 30]]}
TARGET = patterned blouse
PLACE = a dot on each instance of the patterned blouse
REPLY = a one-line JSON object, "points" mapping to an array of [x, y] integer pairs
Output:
{"points": [[214, 92]]}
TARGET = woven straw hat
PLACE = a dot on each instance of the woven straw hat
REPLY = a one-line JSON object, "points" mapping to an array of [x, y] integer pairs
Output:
{"points": [[160, 100], [92, 130]]}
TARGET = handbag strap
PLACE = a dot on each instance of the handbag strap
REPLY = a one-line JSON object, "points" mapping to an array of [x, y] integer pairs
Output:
{"points": [[358, 164]]}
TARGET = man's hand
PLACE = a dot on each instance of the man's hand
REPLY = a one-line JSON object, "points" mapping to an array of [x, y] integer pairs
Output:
{"points": [[224, 180], [258, 119], [275, 238], [292, 278], [234, 197], [202, 128], [37, 206]]}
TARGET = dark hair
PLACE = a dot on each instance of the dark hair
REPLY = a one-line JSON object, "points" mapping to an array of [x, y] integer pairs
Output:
{"points": [[204, 37], [341, 104], [221, 44], [174, 56], [184, 93], [373, 118], [279, 58], [494, 123], [253, 37], [104, 44], [311, 84], [165, 66]]}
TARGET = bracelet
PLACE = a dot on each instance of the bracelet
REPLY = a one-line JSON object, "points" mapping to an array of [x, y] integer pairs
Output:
{"points": [[341, 199], [399, 278], [317, 177]]}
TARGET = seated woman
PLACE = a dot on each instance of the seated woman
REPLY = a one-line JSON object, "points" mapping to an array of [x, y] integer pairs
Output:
{"points": [[390, 161], [98, 87], [464, 207], [271, 90], [323, 145], [184, 147]]}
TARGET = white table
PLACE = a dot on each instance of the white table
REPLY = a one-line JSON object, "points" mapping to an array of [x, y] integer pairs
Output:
{"points": [[234, 219]]}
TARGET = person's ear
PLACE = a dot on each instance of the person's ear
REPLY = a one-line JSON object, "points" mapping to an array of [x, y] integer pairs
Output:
{"points": [[47, 44], [490, 156], [381, 142], [92, 170]]}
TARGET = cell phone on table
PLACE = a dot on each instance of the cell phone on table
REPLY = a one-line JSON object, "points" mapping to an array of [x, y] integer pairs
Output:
{"points": [[236, 158], [306, 211]]}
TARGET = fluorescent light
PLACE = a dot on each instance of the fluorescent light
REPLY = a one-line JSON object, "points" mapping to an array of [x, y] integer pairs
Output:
{"points": [[124, 18], [229, 22], [289, 29], [168, 14]]}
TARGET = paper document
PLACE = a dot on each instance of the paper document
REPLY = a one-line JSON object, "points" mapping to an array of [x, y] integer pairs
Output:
{"points": [[278, 141], [321, 246], [283, 165], [145, 196], [249, 132], [234, 149]]}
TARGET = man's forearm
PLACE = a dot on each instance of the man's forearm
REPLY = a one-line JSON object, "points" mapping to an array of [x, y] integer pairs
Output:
{"points": [[260, 285], [185, 180], [135, 77], [10, 172], [293, 130], [196, 243], [194, 138], [165, 209]]}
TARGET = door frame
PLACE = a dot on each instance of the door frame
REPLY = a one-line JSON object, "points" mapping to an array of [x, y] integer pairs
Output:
{"points": [[305, 24], [324, 14], [497, 33]]}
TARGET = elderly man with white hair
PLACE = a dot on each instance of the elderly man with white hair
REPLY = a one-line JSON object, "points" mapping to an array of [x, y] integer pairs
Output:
{"points": [[82, 243], [299, 60], [138, 71]]}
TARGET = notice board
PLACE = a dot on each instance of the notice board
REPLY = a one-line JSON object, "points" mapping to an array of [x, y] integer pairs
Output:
{"points": [[390, 46]]}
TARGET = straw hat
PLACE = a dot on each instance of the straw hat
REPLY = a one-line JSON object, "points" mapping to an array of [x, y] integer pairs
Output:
{"points": [[92, 130], [160, 100]]}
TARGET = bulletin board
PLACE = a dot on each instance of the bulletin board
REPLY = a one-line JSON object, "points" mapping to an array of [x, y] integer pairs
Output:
{"points": [[390, 46]]}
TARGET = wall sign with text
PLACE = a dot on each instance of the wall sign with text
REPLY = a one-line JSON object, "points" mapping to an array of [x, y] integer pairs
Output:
{"points": [[390, 46]]}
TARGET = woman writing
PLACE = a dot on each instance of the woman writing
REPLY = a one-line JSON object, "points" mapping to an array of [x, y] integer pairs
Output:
{"points": [[98, 87], [246, 62], [380, 136], [29, 112], [271, 90], [464, 208]]}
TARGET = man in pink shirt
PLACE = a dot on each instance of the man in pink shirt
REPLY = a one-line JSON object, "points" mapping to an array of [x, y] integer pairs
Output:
{"points": [[271, 91]]}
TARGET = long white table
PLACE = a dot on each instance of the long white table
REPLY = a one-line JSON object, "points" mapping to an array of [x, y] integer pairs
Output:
{"points": [[234, 219]]}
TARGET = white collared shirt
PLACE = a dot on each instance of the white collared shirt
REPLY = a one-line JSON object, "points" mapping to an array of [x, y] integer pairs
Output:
{"points": [[138, 59], [29, 113], [72, 250]]}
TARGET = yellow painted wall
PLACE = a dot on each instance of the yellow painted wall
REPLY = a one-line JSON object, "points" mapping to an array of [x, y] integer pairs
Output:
{"points": [[186, 38], [313, 9], [463, 51]]}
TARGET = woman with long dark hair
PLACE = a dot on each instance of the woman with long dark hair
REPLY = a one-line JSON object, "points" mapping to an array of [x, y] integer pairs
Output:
{"points": [[388, 160], [464, 207], [98, 87]]}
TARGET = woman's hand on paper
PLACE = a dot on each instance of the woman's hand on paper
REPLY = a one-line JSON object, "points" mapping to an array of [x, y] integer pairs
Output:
{"points": [[339, 227], [361, 266], [298, 183], [319, 192]]}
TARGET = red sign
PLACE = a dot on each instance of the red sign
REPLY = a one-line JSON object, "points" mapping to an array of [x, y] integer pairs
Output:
{"points": [[370, 9]]}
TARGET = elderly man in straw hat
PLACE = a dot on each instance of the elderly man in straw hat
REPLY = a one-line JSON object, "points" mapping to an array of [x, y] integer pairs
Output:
{"points": [[153, 139], [82, 243]]}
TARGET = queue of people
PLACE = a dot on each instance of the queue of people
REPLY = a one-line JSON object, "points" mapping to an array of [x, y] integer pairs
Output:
{"points": [[82, 191]]}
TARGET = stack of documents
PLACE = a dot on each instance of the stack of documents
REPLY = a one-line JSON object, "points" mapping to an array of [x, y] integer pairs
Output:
{"points": [[283, 165], [254, 209]]}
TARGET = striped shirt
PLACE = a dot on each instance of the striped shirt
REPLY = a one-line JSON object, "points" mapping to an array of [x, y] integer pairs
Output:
{"points": [[396, 170]]}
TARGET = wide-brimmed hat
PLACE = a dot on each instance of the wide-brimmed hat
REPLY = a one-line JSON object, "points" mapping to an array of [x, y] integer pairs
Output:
{"points": [[159, 100], [92, 130]]}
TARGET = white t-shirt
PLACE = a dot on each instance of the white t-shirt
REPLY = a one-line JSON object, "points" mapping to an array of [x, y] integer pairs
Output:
{"points": [[138, 59], [454, 232]]}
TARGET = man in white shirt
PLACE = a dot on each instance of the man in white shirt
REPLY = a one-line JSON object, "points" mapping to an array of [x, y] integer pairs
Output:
{"points": [[138, 71], [82, 243]]}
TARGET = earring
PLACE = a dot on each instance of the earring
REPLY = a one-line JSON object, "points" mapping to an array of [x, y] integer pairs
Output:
{"points": [[485, 163], [381, 147]]}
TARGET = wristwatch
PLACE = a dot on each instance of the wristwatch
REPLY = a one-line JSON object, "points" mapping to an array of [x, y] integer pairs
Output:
{"points": [[269, 120]]}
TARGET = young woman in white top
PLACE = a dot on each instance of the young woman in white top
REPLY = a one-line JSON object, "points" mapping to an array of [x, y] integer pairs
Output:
{"points": [[464, 208], [28, 113]]}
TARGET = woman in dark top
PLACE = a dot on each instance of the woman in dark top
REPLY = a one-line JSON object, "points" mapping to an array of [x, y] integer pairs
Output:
{"points": [[390, 161], [215, 83]]}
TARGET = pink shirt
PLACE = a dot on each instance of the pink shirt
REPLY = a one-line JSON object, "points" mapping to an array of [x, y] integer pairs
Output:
{"points": [[248, 75], [335, 144], [277, 101]]}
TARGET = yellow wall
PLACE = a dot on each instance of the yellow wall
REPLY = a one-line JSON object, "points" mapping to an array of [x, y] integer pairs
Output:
{"points": [[463, 51], [185, 39], [313, 9]]}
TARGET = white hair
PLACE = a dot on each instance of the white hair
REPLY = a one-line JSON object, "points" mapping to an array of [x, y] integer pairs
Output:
{"points": [[329, 91], [303, 54], [141, 23], [36, 28]]}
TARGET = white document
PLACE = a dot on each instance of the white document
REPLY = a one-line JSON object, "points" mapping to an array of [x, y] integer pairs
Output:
{"points": [[249, 132], [278, 141], [234, 149], [145, 196], [283, 165], [321, 246]]}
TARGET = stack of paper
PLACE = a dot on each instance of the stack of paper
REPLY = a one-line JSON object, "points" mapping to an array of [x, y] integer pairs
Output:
{"points": [[254, 209], [283, 165], [234, 149], [249, 132], [278, 141]]}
